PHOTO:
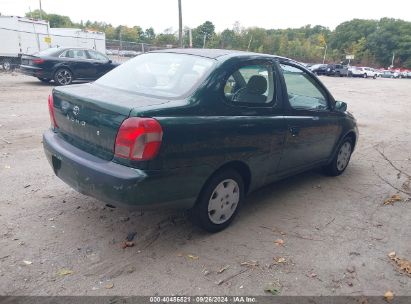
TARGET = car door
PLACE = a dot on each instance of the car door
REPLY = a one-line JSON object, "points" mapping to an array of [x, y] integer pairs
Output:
{"points": [[252, 93], [313, 129], [101, 63], [79, 63]]}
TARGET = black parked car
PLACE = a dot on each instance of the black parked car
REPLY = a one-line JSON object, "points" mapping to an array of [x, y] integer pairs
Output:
{"points": [[63, 65], [319, 69], [338, 70]]}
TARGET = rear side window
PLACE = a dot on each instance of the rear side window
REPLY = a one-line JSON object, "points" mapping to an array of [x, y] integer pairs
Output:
{"points": [[250, 84], [75, 54], [303, 91]]}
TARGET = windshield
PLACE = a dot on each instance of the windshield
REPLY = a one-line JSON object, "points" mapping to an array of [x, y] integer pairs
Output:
{"points": [[159, 74]]}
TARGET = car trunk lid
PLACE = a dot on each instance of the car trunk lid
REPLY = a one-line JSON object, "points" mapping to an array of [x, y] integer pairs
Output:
{"points": [[89, 115], [28, 59]]}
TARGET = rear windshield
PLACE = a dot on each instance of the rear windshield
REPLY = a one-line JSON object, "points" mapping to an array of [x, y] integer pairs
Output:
{"points": [[48, 52], [167, 75]]}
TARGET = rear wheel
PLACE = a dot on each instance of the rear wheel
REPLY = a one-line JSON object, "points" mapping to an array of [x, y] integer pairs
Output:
{"points": [[374, 77], [219, 201], [365, 75], [63, 77], [7, 64], [341, 159]]}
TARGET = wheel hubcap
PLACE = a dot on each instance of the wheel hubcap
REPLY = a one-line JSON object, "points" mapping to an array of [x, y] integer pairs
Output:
{"points": [[7, 65], [64, 77], [343, 156], [223, 201]]}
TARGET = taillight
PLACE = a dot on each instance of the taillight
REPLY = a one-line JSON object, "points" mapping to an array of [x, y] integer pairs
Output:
{"points": [[38, 61], [138, 139], [51, 111]]}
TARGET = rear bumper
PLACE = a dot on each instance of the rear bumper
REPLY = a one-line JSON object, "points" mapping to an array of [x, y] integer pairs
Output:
{"points": [[35, 71], [114, 183]]}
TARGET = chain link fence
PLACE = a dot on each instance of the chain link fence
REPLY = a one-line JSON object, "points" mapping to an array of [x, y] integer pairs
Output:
{"points": [[120, 51]]}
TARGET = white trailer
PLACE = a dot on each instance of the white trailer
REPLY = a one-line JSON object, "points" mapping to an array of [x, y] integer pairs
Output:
{"points": [[19, 36], [69, 37]]}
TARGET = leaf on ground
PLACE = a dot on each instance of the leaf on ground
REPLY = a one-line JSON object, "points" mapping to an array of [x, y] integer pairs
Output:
{"points": [[127, 244], [109, 286], [273, 288], [393, 199], [279, 242], [193, 257], [249, 263], [28, 262], [64, 271], [403, 264], [389, 295], [281, 260], [222, 269], [392, 254]]}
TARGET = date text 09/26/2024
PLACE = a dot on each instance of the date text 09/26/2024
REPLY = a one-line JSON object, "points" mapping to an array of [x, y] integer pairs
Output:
{"points": [[202, 299]]}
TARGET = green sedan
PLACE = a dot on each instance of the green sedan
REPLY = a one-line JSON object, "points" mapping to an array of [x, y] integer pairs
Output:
{"points": [[196, 129]]}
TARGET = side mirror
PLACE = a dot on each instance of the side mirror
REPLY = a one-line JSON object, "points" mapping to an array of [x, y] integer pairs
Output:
{"points": [[340, 106]]}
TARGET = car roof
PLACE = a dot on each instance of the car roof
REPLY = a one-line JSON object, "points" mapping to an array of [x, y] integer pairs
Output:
{"points": [[63, 48], [216, 53]]}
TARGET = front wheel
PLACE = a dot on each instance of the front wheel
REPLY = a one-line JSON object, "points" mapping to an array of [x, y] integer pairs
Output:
{"points": [[341, 159], [365, 75], [63, 77], [219, 201]]}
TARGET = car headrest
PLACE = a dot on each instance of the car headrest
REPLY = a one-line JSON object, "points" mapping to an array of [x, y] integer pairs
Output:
{"points": [[257, 85]]}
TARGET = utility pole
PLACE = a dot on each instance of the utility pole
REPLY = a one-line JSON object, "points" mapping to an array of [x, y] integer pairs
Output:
{"points": [[41, 17], [121, 40], [249, 43], [392, 60], [204, 41], [325, 53], [180, 25], [190, 36]]}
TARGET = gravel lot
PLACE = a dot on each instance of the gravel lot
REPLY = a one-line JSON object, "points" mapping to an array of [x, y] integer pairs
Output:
{"points": [[337, 232]]}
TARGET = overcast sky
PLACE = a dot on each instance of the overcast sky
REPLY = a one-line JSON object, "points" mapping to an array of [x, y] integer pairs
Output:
{"points": [[162, 14]]}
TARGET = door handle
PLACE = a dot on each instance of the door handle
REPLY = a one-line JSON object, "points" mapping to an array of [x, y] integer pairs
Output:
{"points": [[294, 131]]}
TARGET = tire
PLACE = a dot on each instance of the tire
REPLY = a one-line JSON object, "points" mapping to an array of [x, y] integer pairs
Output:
{"points": [[225, 191], [45, 80], [63, 77], [338, 74], [7, 65], [374, 77], [341, 159], [365, 75]]}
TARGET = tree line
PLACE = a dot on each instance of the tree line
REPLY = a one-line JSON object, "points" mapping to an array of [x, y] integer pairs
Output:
{"points": [[376, 43]]}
